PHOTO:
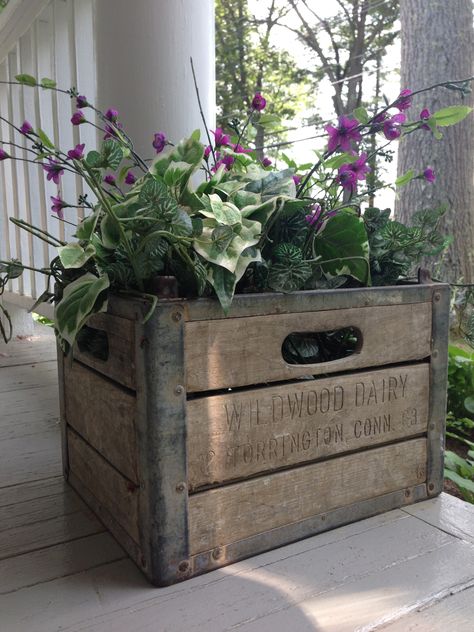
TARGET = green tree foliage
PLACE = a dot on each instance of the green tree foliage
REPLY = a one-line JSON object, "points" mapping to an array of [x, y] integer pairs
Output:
{"points": [[248, 61]]}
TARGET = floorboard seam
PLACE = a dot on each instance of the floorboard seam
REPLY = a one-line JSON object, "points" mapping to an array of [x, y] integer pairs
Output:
{"points": [[436, 526]]}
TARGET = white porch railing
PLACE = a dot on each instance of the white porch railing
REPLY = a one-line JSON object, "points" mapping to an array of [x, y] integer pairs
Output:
{"points": [[44, 38], [133, 55]]}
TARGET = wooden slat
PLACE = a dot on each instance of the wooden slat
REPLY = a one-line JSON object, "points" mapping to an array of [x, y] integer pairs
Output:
{"points": [[120, 363], [448, 513], [240, 434], [240, 510], [110, 488], [107, 422], [242, 351]]}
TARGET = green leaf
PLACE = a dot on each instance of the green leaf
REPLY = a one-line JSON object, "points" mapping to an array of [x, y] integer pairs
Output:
{"points": [[204, 245], [289, 276], [80, 299], [223, 212], [405, 178], [74, 256], [469, 404], [274, 184], [337, 161], [44, 139], [189, 150], [111, 155], [13, 269], [361, 115], [94, 159], [344, 245], [48, 83], [223, 283], [451, 115], [26, 80], [110, 231], [176, 177]]}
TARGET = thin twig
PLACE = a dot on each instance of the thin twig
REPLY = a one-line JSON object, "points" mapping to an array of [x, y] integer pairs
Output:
{"points": [[201, 110]]}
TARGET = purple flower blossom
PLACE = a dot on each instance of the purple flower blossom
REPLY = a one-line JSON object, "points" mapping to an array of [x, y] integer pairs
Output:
{"points": [[296, 179], [313, 217], [54, 170], [111, 115], [259, 102], [228, 161], [207, 152], [220, 138], [429, 174], [425, 114], [57, 206], [111, 131], [392, 127], [26, 128], [78, 118], [81, 102], [3, 154], [130, 178], [241, 150], [77, 153], [342, 135], [359, 167], [159, 142], [266, 162], [347, 178], [109, 179], [404, 100]]}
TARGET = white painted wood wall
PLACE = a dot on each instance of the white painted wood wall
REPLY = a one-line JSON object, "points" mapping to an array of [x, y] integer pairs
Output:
{"points": [[76, 43]]}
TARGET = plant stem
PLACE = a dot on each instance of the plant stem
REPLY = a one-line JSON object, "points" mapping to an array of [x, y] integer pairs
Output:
{"points": [[201, 110]]}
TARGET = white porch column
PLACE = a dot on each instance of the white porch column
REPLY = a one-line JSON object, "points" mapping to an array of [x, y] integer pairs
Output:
{"points": [[143, 69]]}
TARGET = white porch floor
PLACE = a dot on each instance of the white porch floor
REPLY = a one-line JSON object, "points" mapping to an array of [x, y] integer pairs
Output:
{"points": [[410, 569]]}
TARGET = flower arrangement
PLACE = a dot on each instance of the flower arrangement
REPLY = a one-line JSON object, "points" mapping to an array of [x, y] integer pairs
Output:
{"points": [[246, 227]]}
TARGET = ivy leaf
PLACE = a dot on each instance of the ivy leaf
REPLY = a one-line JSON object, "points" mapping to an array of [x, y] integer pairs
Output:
{"points": [[223, 212], [110, 231], [74, 255], [274, 184], [176, 177], [26, 80], [344, 245], [451, 115], [223, 281], [45, 139], [80, 299], [86, 227], [189, 150]]}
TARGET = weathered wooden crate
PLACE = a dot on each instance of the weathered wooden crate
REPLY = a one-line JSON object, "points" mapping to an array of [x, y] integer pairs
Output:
{"points": [[198, 445]]}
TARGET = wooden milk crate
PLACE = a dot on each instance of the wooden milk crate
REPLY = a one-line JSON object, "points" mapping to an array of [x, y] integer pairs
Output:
{"points": [[197, 445]]}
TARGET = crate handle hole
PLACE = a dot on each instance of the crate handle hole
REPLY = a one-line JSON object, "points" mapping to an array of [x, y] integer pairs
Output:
{"points": [[93, 342], [309, 347]]}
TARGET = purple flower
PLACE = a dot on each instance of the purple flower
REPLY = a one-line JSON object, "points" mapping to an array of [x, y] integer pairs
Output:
{"points": [[259, 102], [26, 128], [347, 178], [342, 135], [111, 131], [111, 115], [425, 114], [266, 162], [207, 152], [221, 138], [359, 167], [54, 170], [296, 179], [81, 102], [3, 154], [228, 161], [404, 100], [57, 206], [77, 153], [109, 179], [130, 178], [392, 127], [241, 150], [159, 142], [429, 174], [78, 118], [313, 217]]}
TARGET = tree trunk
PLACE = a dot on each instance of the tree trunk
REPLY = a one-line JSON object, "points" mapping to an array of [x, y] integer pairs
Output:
{"points": [[438, 45]]}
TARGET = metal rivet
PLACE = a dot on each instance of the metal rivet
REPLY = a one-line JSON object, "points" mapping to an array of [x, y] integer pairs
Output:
{"points": [[177, 316], [216, 553], [437, 296], [431, 487], [183, 566], [435, 353], [407, 493], [180, 487], [179, 389]]}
